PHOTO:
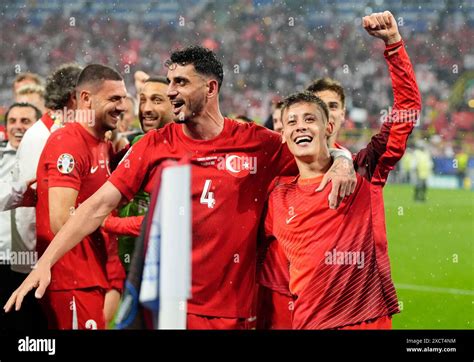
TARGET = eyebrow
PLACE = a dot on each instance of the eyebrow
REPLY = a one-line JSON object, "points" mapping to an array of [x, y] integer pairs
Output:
{"points": [[21, 118], [117, 96], [304, 116], [179, 77]]}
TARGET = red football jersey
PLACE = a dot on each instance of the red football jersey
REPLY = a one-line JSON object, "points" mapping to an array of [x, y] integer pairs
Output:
{"points": [[339, 266], [230, 177], [73, 158], [273, 268], [339, 270]]}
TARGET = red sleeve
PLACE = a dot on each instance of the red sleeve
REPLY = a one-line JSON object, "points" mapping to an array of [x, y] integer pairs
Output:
{"points": [[129, 226], [272, 264], [268, 220], [135, 167], [265, 235], [280, 161], [263, 242], [114, 268], [387, 147], [64, 163]]}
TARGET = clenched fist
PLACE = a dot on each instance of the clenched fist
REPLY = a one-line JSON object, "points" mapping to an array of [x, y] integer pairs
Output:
{"points": [[382, 26]]}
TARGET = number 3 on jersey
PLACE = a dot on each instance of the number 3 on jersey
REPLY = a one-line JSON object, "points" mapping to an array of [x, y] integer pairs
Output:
{"points": [[207, 197]]}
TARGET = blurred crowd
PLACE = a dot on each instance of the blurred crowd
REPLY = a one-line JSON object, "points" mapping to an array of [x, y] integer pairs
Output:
{"points": [[269, 49]]}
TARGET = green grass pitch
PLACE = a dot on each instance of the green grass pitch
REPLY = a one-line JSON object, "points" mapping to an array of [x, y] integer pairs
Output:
{"points": [[431, 247]]}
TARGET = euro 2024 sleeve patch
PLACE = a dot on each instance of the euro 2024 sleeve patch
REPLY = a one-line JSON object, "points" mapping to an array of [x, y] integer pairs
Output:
{"points": [[65, 163]]}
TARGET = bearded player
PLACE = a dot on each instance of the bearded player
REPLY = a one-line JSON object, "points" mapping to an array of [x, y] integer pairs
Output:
{"points": [[73, 165], [232, 166]]}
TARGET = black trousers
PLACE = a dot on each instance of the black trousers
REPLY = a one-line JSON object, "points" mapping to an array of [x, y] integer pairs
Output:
{"points": [[30, 317]]}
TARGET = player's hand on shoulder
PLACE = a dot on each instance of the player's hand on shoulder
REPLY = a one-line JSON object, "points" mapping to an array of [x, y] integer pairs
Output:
{"points": [[39, 278], [382, 26], [343, 178]]}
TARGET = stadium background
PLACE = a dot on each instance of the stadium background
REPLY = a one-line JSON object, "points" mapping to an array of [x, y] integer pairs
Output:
{"points": [[271, 48]]}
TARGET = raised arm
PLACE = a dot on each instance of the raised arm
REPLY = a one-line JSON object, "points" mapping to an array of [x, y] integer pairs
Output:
{"points": [[387, 147], [84, 221]]}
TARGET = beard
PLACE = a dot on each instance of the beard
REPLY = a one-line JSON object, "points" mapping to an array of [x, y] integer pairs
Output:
{"points": [[194, 109]]}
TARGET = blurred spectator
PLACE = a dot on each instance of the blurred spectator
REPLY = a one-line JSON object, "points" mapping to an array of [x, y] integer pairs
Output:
{"points": [[19, 117], [423, 164], [406, 167], [276, 117], [32, 94], [461, 159], [243, 119], [269, 49], [23, 79]]}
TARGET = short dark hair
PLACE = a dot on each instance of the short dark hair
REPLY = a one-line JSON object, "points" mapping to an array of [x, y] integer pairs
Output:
{"points": [[157, 79], [204, 60], [327, 83], [60, 85], [305, 97], [278, 105], [23, 105], [97, 73]]}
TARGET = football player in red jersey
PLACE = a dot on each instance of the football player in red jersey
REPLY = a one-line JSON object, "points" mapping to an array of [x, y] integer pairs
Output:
{"points": [[338, 259], [276, 302], [232, 166], [73, 165], [274, 274]]}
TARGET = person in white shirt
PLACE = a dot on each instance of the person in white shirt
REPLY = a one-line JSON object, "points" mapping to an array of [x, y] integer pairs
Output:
{"points": [[60, 102], [19, 118]]}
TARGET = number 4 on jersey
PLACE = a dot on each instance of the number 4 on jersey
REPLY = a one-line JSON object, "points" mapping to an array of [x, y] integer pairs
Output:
{"points": [[207, 197]]}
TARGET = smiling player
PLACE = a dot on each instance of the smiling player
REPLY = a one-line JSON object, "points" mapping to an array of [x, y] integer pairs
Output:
{"points": [[72, 166], [339, 266], [232, 166]]}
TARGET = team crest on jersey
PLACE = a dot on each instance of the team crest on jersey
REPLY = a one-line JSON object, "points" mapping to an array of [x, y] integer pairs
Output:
{"points": [[65, 163], [238, 164]]}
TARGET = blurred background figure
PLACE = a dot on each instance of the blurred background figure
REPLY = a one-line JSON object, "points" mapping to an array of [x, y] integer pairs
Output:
{"points": [[423, 165], [19, 117], [23, 79], [128, 117], [243, 119], [32, 94], [461, 162], [277, 124], [405, 169]]}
